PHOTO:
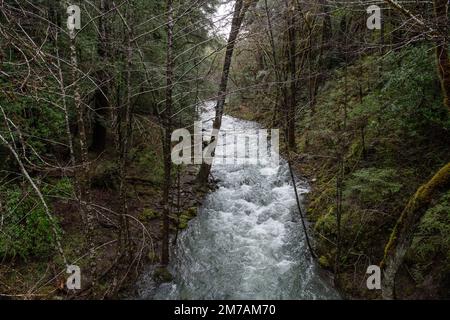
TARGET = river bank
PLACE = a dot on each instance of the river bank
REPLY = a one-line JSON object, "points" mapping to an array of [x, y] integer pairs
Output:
{"points": [[375, 153], [45, 277]]}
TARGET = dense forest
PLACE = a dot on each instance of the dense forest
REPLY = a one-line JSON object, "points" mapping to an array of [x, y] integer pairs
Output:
{"points": [[91, 92]]}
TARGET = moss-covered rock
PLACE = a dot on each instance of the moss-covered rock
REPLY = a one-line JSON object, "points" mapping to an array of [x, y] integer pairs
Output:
{"points": [[192, 212], [185, 217], [161, 274], [183, 224]]}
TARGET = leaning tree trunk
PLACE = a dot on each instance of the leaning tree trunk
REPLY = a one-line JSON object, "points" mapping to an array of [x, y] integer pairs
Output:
{"points": [[240, 9], [402, 235]]}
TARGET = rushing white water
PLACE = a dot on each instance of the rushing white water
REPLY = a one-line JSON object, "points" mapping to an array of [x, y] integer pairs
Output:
{"points": [[247, 241]]}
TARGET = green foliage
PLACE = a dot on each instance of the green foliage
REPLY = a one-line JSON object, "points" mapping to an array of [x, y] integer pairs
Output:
{"points": [[150, 163], [372, 185], [62, 188], [326, 224], [406, 99], [26, 229], [433, 236], [396, 102], [39, 120], [148, 214], [413, 88]]}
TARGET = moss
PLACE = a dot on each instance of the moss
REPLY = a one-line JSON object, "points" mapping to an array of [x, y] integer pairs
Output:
{"points": [[324, 262], [149, 214], [186, 216], [183, 221], [327, 223], [192, 212], [161, 274], [183, 224], [152, 257]]}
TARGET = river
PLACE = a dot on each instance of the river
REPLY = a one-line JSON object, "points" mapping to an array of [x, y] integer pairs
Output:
{"points": [[247, 241]]}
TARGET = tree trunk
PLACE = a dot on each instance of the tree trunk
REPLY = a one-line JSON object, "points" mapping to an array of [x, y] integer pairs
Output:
{"points": [[64, 105], [443, 61], [125, 126], [83, 178], [327, 28], [101, 103], [167, 119], [402, 235], [291, 114], [239, 12], [276, 67]]}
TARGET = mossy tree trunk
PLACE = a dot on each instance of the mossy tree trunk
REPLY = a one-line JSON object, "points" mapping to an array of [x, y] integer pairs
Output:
{"points": [[402, 235]]}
